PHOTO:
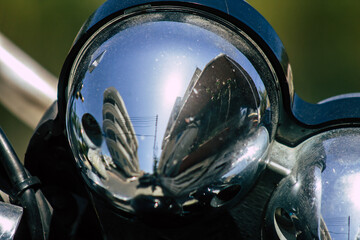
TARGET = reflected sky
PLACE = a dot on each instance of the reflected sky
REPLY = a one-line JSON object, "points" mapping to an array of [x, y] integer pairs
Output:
{"points": [[341, 188]]}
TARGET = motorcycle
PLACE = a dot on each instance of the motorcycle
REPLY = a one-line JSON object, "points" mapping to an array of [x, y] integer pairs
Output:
{"points": [[179, 120]]}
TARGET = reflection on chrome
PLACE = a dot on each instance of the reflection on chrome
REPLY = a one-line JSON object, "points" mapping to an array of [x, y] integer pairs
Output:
{"points": [[10, 216], [320, 198], [90, 142], [213, 133], [185, 124], [120, 134], [214, 111]]}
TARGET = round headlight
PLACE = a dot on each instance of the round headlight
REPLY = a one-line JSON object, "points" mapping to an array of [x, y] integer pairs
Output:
{"points": [[168, 110]]}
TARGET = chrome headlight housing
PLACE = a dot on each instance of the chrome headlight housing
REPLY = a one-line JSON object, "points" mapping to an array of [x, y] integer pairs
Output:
{"points": [[168, 110]]}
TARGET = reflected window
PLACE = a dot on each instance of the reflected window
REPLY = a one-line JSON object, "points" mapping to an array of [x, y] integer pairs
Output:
{"points": [[110, 134], [109, 100], [109, 116]]}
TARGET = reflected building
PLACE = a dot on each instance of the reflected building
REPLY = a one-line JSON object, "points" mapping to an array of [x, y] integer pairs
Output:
{"points": [[119, 133], [218, 108]]}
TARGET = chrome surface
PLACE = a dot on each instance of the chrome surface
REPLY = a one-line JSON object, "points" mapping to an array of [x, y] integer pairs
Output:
{"points": [[10, 216], [170, 105], [320, 198], [27, 89]]}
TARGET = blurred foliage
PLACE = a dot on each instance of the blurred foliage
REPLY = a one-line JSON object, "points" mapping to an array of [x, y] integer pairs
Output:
{"points": [[321, 38], [45, 30], [322, 41]]}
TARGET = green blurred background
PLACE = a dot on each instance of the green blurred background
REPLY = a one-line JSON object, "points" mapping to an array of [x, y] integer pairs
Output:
{"points": [[322, 40]]}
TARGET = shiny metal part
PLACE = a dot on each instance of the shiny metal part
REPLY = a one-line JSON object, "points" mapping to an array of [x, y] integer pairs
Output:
{"points": [[10, 216], [320, 198], [27, 89], [169, 110]]}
